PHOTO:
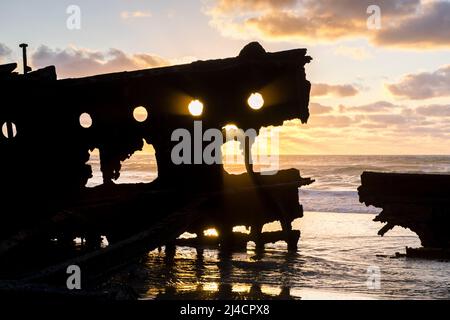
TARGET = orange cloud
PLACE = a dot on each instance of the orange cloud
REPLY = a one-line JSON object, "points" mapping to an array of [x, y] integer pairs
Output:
{"points": [[322, 89], [424, 85], [375, 107], [317, 108], [405, 23], [429, 28], [79, 62], [434, 110]]}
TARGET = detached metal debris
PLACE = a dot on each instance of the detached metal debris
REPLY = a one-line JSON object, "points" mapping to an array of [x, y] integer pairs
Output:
{"points": [[420, 202]]}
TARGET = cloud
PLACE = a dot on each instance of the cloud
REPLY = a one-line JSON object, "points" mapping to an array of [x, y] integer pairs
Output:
{"points": [[4, 51], [135, 14], [227, 6], [334, 121], [372, 125], [379, 106], [317, 108], [387, 118], [380, 114], [322, 89], [434, 110], [379, 127], [423, 85], [78, 62], [429, 28], [406, 23]]}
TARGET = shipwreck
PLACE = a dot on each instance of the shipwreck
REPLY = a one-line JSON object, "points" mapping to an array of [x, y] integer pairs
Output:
{"points": [[45, 150], [419, 202]]}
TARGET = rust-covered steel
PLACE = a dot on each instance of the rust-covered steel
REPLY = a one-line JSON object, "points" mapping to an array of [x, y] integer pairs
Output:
{"points": [[45, 151], [419, 202]]}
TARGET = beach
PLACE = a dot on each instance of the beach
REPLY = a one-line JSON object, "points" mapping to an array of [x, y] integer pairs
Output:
{"points": [[339, 249], [335, 253]]}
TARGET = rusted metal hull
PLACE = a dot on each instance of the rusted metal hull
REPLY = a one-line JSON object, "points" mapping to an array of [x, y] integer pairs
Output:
{"points": [[420, 202], [45, 161], [124, 214]]}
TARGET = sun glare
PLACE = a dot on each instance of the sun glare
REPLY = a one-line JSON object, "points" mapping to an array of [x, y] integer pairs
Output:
{"points": [[85, 120], [211, 233], [140, 114], [195, 108], [256, 101]]}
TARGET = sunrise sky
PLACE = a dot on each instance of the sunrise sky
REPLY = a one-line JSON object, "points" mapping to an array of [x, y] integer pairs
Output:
{"points": [[383, 91]]}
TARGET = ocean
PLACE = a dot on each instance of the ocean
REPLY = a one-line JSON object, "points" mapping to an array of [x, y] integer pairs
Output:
{"points": [[340, 255]]}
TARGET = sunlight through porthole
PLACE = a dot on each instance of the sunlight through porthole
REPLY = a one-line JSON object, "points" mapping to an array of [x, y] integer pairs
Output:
{"points": [[195, 108], [256, 101], [85, 120], [9, 130], [211, 233], [140, 114]]}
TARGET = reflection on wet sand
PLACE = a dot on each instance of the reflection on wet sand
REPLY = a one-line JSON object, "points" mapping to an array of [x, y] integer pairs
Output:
{"points": [[207, 274], [331, 263], [224, 291]]}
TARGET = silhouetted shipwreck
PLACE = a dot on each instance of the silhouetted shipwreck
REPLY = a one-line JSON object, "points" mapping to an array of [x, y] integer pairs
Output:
{"points": [[420, 202], [44, 171]]}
